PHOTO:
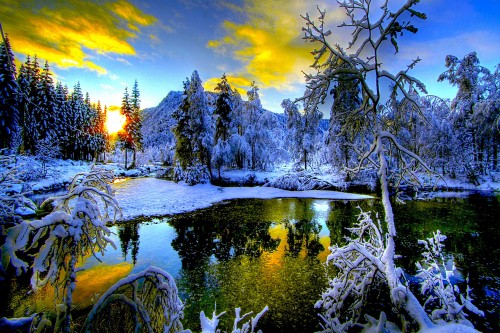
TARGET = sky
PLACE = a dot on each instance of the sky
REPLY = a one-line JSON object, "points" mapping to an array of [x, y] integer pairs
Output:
{"points": [[107, 44]]}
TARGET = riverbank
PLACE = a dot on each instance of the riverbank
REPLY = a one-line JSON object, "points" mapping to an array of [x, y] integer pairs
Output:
{"points": [[148, 197]]}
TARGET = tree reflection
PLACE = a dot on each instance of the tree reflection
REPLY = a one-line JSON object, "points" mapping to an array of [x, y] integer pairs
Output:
{"points": [[303, 234], [197, 241], [129, 240]]}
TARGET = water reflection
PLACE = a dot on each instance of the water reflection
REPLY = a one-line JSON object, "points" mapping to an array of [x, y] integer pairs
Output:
{"points": [[129, 240], [252, 253], [303, 234]]}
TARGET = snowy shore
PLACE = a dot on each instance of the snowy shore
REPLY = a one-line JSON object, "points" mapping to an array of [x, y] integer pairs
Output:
{"points": [[156, 197]]}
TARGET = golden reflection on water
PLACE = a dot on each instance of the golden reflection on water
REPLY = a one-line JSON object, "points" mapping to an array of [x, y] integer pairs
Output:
{"points": [[91, 283]]}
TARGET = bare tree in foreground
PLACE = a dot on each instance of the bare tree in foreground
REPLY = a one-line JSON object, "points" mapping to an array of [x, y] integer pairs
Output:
{"points": [[371, 252]]}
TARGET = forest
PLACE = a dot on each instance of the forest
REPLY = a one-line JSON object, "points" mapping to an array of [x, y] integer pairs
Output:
{"points": [[381, 129]]}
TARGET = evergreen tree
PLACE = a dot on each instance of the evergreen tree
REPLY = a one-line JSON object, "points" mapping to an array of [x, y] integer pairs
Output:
{"points": [[131, 136], [294, 137], [28, 81], [223, 113], [183, 157], [47, 117], [345, 126], [125, 136], [200, 124], [223, 110], [62, 125], [469, 77], [76, 122], [135, 124], [253, 112], [194, 134], [239, 146], [9, 94]]}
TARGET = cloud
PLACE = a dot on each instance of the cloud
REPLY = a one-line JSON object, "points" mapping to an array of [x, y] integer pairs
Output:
{"points": [[68, 33], [269, 42], [239, 83]]}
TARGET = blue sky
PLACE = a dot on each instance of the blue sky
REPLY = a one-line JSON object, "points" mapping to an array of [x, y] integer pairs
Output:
{"points": [[106, 45]]}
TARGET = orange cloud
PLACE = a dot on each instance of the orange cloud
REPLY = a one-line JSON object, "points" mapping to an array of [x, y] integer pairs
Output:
{"points": [[64, 32], [269, 44]]}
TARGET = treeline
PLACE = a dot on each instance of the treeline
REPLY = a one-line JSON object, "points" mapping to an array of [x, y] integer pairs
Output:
{"points": [[38, 117], [223, 132], [460, 137]]}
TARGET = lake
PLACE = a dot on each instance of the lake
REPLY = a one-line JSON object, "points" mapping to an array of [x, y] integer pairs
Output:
{"points": [[250, 253]]}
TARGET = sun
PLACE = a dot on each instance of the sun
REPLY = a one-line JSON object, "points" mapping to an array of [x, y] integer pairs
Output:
{"points": [[114, 121]]}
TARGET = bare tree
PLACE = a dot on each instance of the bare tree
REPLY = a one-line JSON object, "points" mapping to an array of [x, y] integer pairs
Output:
{"points": [[374, 25]]}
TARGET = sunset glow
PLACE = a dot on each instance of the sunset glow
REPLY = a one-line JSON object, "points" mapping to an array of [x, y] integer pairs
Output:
{"points": [[114, 121]]}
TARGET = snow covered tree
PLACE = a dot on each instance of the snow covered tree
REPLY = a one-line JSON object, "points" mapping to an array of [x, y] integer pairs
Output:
{"points": [[131, 136], [344, 126], [294, 136], [194, 134], [223, 114], [63, 126], [183, 148], [147, 301], [475, 108], [374, 27], [200, 123], [311, 142], [46, 98], [240, 149], [75, 228], [9, 95], [303, 136], [252, 117], [28, 82]]}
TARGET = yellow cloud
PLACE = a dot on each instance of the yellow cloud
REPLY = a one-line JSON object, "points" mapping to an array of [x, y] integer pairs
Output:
{"points": [[62, 32], [269, 44], [237, 83]]}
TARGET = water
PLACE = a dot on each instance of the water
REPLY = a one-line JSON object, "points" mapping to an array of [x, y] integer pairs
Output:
{"points": [[252, 253]]}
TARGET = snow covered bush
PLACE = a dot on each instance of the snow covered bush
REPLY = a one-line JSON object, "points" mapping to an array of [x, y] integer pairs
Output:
{"points": [[192, 175], [209, 325], [435, 273], [360, 268], [13, 200], [75, 228], [301, 181], [145, 302]]}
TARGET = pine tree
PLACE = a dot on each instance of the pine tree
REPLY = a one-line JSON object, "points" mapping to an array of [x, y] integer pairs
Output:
{"points": [[200, 123], [194, 134], [28, 82], [183, 156], [125, 136], [9, 95], [62, 125], [223, 110], [294, 127], [253, 113], [223, 113], [135, 125], [47, 106], [239, 145], [131, 136], [345, 126], [76, 121]]}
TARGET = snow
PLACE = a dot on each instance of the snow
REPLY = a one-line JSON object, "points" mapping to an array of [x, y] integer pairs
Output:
{"points": [[157, 197], [24, 211]]}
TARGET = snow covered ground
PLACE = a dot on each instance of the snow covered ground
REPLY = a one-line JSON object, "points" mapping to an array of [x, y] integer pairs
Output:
{"points": [[156, 197]]}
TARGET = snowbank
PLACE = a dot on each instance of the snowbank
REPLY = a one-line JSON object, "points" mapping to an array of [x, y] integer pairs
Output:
{"points": [[157, 197]]}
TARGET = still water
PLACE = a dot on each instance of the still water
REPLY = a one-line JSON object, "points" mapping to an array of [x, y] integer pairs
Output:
{"points": [[251, 253]]}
